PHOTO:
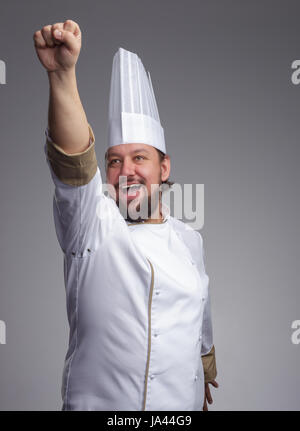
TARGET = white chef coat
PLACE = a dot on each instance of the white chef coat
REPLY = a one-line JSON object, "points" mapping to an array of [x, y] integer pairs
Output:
{"points": [[137, 298]]}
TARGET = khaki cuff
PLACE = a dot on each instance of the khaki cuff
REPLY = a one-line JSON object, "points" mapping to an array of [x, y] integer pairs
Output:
{"points": [[209, 365], [75, 169]]}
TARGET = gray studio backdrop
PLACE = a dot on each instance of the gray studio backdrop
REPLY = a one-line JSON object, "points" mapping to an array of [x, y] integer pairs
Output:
{"points": [[221, 71]]}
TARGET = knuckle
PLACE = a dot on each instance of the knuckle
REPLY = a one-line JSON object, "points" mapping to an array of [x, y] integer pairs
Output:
{"points": [[45, 29], [56, 25]]}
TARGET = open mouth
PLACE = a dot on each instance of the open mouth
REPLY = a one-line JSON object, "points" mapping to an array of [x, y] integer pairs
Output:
{"points": [[131, 190], [133, 187]]}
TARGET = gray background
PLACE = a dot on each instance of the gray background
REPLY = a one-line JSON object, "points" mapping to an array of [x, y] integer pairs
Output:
{"points": [[221, 71]]}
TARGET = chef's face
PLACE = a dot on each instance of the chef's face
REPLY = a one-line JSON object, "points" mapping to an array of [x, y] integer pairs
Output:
{"points": [[138, 164]]}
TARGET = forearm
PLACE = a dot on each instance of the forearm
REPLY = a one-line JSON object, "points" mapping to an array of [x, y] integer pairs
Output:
{"points": [[67, 120]]}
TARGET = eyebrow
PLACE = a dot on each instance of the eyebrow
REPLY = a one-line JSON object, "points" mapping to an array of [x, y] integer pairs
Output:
{"points": [[141, 150]]}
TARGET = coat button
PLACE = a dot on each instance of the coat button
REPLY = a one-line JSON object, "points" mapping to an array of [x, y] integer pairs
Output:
{"points": [[157, 292], [196, 377], [152, 376]]}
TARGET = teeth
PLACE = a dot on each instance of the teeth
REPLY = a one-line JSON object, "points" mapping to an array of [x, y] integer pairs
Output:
{"points": [[131, 186]]}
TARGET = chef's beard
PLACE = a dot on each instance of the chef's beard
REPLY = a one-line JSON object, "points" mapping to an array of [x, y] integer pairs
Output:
{"points": [[143, 207]]}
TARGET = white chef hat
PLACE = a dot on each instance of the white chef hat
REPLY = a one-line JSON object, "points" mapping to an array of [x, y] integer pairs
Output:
{"points": [[133, 114]]}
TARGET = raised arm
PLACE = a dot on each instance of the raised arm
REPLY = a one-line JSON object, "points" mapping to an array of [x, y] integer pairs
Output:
{"points": [[58, 47]]}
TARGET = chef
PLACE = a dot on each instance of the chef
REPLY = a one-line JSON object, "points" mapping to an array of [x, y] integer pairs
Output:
{"points": [[137, 294]]}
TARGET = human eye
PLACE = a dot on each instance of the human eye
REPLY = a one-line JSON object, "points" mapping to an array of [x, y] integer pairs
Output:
{"points": [[113, 162], [139, 157]]}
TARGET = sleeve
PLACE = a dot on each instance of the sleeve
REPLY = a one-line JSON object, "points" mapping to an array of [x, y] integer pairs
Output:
{"points": [[77, 196], [207, 349], [75, 169]]}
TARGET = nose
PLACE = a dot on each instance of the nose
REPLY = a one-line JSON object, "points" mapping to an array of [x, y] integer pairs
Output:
{"points": [[128, 167]]}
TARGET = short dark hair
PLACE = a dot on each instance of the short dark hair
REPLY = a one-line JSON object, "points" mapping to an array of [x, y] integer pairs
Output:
{"points": [[161, 158]]}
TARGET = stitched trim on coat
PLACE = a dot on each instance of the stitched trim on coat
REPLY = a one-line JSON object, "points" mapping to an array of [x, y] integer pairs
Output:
{"points": [[149, 334]]}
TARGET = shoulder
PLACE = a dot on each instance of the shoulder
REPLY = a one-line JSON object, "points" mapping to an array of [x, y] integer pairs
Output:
{"points": [[185, 230]]}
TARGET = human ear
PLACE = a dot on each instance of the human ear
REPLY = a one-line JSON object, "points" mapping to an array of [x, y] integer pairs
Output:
{"points": [[165, 168]]}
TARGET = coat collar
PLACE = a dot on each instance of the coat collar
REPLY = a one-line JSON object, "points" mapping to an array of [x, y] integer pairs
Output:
{"points": [[165, 213]]}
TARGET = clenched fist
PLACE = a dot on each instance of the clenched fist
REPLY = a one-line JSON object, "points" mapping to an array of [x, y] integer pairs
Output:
{"points": [[58, 45]]}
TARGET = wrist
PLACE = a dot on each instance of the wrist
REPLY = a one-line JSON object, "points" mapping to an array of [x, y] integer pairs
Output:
{"points": [[62, 76]]}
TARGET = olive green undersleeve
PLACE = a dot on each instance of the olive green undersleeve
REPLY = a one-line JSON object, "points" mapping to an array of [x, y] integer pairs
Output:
{"points": [[209, 365], [73, 169]]}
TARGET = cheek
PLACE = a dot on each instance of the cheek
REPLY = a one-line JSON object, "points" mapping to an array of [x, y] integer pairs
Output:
{"points": [[111, 176], [153, 178], [150, 174]]}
